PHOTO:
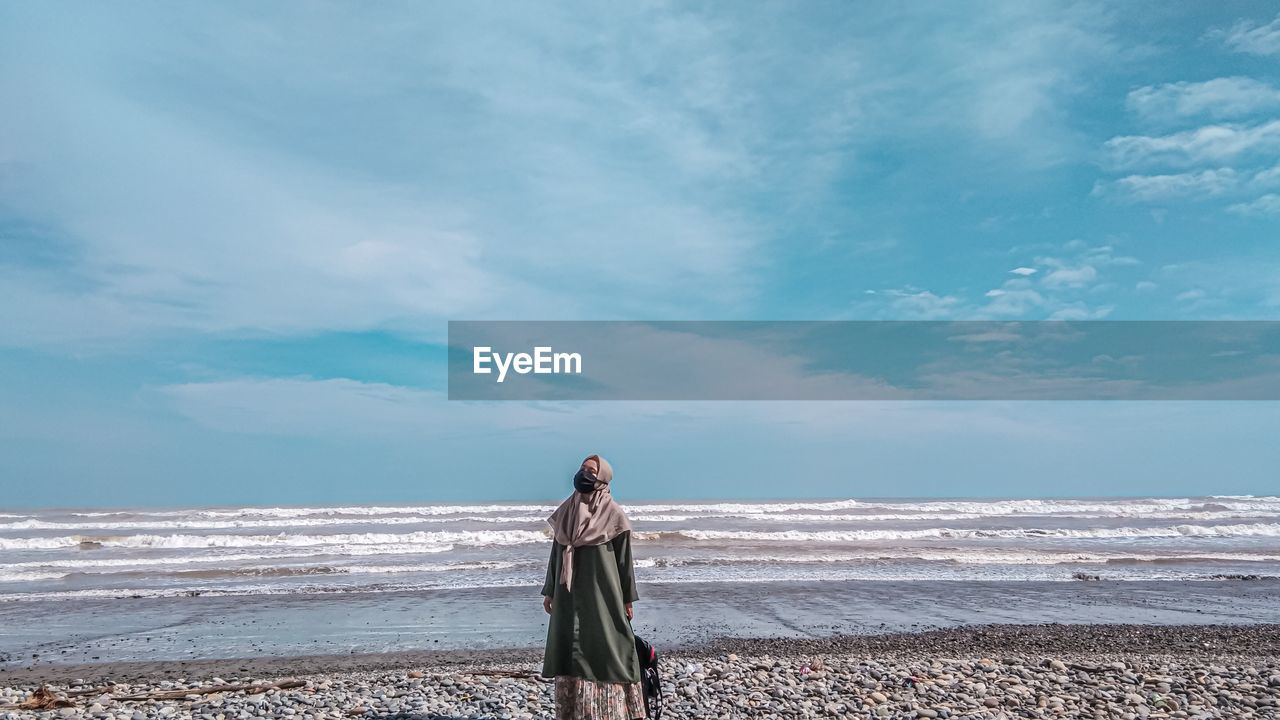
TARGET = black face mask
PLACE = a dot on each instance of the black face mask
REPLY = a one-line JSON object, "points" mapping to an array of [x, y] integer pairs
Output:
{"points": [[584, 483]]}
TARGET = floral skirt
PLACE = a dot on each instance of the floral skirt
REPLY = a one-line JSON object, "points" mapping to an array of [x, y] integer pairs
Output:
{"points": [[579, 699]]}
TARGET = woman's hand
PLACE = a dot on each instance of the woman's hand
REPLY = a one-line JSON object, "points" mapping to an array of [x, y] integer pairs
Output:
{"points": [[546, 603], [630, 613]]}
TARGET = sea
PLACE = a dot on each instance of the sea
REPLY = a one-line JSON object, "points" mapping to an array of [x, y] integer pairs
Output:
{"points": [[58, 554]]}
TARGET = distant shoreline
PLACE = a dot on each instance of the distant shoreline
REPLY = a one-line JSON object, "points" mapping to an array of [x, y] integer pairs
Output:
{"points": [[623, 496]]}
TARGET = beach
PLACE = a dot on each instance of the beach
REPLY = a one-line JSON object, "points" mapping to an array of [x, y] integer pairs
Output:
{"points": [[1000, 671], [817, 649], [1110, 608]]}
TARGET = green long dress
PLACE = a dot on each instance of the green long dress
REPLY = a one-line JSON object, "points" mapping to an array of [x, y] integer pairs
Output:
{"points": [[589, 635]]}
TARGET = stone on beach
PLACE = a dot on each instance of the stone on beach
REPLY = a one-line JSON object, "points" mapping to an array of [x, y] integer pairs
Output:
{"points": [[1042, 673]]}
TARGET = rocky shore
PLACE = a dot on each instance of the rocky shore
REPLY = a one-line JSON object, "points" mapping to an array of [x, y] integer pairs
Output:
{"points": [[1033, 671]]}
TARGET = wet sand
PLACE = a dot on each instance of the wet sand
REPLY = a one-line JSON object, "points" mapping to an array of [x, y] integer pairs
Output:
{"points": [[1254, 640], [294, 634]]}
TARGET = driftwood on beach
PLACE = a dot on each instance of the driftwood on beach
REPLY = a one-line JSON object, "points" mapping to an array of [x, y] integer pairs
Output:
{"points": [[41, 699]]}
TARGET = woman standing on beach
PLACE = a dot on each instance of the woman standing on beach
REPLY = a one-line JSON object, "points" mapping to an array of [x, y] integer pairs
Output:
{"points": [[589, 589]]}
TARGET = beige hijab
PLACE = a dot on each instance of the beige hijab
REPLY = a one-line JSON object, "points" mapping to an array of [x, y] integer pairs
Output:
{"points": [[587, 519]]}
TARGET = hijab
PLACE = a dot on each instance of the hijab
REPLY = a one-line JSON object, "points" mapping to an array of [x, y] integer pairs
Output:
{"points": [[587, 518]]}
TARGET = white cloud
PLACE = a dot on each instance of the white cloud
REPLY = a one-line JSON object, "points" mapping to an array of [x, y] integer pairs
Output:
{"points": [[915, 304], [1247, 36], [1003, 78], [1074, 277], [1055, 293], [1266, 178], [1222, 287], [306, 406], [1145, 285], [1021, 78], [1012, 302], [1200, 185], [1218, 98], [1104, 255], [1267, 205], [1208, 144], [364, 412], [1078, 271], [1080, 311], [352, 175], [477, 194], [1160, 188]]}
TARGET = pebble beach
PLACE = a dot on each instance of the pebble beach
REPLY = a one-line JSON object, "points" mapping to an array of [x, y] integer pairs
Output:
{"points": [[998, 671]]}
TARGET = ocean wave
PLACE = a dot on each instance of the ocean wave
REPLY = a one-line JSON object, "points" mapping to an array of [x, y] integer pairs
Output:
{"points": [[925, 509], [261, 589], [369, 510], [429, 541], [1267, 498], [1201, 512], [267, 571], [258, 523], [807, 518], [956, 555], [29, 576], [124, 569], [358, 511], [1103, 508], [1118, 507], [442, 539], [92, 561], [772, 575], [841, 536]]}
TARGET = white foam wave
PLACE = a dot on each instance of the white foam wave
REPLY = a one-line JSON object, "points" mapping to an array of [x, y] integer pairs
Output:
{"points": [[767, 575], [31, 576], [1119, 507], [319, 553], [926, 509], [1265, 498], [1199, 512], [839, 536], [806, 518], [55, 569], [258, 523], [443, 538], [368, 510], [441, 567], [243, 590], [957, 555], [301, 570]]}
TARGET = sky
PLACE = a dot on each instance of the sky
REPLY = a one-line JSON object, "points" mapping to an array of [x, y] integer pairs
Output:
{"points": [[232, 235]]}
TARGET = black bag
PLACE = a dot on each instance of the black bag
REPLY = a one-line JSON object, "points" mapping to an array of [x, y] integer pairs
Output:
{"points": [[650, 680]]}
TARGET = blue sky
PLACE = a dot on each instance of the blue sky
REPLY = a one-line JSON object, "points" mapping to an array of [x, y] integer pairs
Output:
{"points": [[231, 236]]}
